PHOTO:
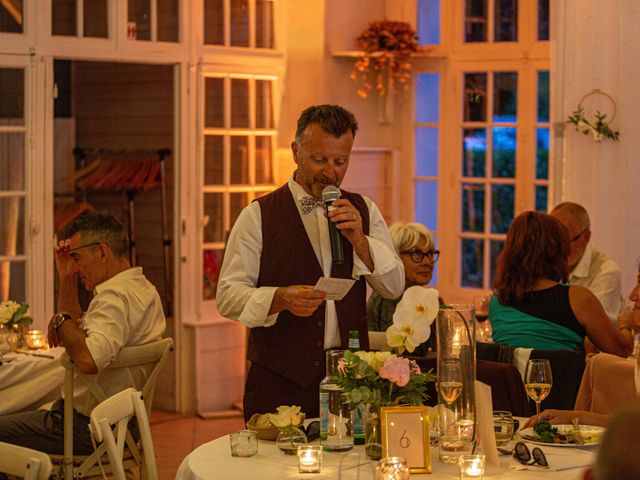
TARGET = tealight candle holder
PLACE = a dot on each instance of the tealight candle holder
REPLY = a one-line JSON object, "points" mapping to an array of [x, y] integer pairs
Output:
{"points": [[35, 339], [309, 458], [471, 467], [392, 468]]}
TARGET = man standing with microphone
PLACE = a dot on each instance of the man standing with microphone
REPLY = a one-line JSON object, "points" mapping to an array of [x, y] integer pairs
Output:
{"points": [[278, 249]]}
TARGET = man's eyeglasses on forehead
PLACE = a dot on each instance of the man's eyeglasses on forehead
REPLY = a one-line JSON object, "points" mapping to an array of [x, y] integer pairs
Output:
{"points": [[93, 244], [418, 255]]}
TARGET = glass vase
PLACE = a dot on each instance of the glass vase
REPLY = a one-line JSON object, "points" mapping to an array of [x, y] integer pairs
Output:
{"points": [[372, 445], [289, 438], [456, 374]]}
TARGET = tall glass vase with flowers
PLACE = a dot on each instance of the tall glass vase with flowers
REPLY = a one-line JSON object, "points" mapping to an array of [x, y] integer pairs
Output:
{"points": [[384, 378]]}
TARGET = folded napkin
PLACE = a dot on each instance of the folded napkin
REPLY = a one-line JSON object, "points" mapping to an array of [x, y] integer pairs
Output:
{"points": [[521, 358], [559, 458]]}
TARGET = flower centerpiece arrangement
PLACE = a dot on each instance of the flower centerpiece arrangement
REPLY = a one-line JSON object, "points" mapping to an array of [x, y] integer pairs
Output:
{"points": [[387, 47], [13, 314], [288, 421], [599, 129], [384, 378]]}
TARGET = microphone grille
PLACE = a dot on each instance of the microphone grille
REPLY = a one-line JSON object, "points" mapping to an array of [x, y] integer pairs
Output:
{"points": [[330, 193]]}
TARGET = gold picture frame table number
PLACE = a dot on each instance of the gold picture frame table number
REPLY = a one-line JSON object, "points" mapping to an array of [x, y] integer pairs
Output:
{"points": [[405, 433]]}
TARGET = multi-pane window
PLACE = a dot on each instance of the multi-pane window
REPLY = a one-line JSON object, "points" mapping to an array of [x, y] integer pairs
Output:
{"points": [[239, 23], [80, 18], [493, 150], [153, 20], [13, 184], [239, 144]]}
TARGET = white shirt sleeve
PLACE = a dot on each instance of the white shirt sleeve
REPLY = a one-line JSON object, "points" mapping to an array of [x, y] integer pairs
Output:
{"points": [[606, 285], [237, 296], [387, 277]]}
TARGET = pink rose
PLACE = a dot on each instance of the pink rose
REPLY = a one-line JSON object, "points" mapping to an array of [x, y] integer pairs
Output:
{"points": [[415, 368], [342, 363], [396, 370]]}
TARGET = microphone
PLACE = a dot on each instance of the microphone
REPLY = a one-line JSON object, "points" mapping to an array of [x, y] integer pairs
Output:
{"points": [[329, 194]]}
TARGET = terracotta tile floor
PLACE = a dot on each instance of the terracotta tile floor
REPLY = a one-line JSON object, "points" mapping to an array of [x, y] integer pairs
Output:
{"points": [[175, 435]]}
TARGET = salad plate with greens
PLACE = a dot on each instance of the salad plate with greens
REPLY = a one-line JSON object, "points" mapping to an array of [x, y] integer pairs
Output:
{"points": [[561, 435]]}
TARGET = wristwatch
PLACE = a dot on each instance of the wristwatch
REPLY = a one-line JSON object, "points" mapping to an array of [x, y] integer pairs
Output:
{"points": [[59, 319]]}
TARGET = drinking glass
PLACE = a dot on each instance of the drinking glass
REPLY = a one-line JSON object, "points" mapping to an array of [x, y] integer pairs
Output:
{"points": [[538, 381], [450, 380]]}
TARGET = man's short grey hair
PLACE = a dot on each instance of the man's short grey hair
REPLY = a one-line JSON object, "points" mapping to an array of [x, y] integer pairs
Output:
{"points": [[100, 227], [406, 236], [618, 455], [576, 211], [334, 119]]}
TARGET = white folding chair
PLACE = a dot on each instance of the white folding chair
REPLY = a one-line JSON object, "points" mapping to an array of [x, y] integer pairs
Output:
{"points": [[118, 410], [154, 355], [24, 462]]}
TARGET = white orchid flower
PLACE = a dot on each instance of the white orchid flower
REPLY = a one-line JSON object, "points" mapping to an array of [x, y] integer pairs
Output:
{"points": [[413, 317]]}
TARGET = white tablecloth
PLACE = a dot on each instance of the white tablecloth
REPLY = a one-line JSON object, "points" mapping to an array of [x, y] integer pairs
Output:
{"points": [[27, 381], [213, 460]]}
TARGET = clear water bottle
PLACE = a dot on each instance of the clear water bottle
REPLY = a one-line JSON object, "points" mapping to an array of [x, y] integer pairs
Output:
{"points": [[358, 412], [336, 431]]}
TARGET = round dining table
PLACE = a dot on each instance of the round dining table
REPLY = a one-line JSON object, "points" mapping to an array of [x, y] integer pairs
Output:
{"points": [[29, 378], [213, 460]]}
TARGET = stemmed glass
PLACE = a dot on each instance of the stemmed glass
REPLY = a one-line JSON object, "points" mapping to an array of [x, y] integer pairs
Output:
{"points": [[450, 380], [538, 381]]}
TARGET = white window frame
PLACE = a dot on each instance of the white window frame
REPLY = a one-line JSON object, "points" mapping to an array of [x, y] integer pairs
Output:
{"points": [[450, 59]]}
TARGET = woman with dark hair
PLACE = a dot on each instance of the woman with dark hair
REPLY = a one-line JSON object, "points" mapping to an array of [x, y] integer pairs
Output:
{"points": [[533, 307]]}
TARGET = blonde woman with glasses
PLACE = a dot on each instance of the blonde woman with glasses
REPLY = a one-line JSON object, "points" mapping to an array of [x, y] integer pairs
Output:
{"points": [[414, 244]]}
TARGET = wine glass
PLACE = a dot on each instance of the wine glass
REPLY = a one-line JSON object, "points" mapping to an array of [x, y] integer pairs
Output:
{"points": [[450, 379], [538, 381]]}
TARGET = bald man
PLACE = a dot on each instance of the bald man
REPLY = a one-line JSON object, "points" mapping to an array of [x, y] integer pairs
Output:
{"points": [[589, 267]]}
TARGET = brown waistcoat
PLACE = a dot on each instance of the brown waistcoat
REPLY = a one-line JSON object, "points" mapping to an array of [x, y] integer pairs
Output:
{"points": [[294, 346]]}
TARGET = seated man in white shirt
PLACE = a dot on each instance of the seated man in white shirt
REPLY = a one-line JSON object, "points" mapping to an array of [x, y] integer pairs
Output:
{"points": [[125, 310], [589, 267]]}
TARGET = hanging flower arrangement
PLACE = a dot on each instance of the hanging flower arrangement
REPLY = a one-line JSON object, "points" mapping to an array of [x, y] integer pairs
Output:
{"points": [[599, 128], [385, 63]]}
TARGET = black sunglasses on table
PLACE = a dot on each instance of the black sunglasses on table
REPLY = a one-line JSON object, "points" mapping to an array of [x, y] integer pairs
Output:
{"points": [[418, 255], [522, 454], [312, 431]]}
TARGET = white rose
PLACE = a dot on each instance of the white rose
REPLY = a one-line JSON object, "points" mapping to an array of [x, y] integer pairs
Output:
{"points": [[8, 310], [286, 416]]}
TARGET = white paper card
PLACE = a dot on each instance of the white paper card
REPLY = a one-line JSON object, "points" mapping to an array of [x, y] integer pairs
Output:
{"points": [[486, 434], [336, 288]]}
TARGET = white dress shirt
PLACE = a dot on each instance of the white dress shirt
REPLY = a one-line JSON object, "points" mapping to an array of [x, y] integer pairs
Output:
{"points": [[602, 276], [238, 297], [126, 310]]}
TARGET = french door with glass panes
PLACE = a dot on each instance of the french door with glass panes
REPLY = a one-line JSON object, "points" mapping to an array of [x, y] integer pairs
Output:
{"points": [[481, 131], [238, 139], [22, 186]]}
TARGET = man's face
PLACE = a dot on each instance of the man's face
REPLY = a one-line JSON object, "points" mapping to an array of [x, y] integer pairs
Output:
{"points": [[578, 237], [322, 159], [88, 261]]}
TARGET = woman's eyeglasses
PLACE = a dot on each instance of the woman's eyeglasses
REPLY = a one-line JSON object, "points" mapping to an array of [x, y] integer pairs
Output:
{"points": [[522, 454], [418, 255]]}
